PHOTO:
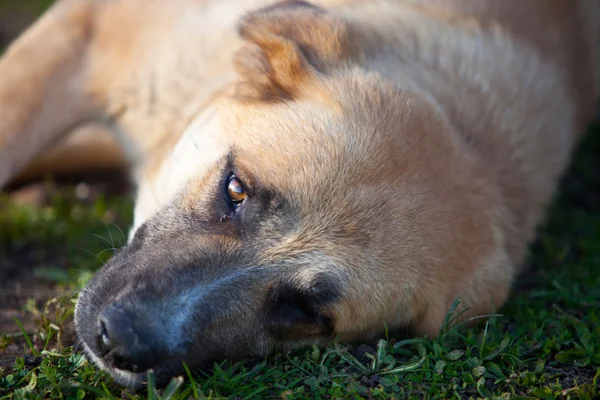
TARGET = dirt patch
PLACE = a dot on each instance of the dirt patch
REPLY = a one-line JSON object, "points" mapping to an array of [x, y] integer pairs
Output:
{"points": [[22, 291]]}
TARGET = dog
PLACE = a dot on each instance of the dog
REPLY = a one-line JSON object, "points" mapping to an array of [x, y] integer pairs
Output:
{"points": [[304, 171]]}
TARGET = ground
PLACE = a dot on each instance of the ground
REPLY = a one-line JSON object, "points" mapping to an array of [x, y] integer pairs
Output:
{"points": [[545, 343]]}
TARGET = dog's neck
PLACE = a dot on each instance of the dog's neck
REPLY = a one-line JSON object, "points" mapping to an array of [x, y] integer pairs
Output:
{"points": [[422, 50]]}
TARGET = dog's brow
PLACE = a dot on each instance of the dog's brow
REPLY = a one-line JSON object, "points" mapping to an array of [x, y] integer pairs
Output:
{"points": [[231, 157], [241, 170]]}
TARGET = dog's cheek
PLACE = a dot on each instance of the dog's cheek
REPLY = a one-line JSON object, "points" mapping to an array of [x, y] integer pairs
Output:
{"points": [[465, 297]]}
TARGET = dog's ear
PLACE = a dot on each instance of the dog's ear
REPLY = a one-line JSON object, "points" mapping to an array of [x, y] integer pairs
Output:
{"points": [[286, 44]]}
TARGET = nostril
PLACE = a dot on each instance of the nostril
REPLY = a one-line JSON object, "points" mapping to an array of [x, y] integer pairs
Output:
{"points": [[103, 337], [120, 343], [115, 328]]}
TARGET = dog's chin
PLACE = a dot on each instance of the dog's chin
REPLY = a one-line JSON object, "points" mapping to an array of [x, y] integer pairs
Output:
{"points": [[129, 379]]}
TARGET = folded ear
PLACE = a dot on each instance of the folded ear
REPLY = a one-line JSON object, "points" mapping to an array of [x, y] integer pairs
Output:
{"points": [[287, 44], [42, 93]]}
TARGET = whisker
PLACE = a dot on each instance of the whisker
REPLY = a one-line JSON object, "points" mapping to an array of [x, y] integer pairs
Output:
{"points": [[100, 237], [112, 240], [117, 226], [104, 251], [87, 251]]}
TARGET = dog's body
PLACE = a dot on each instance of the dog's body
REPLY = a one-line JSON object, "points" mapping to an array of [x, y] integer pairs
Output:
{"points": [[395, 155]]}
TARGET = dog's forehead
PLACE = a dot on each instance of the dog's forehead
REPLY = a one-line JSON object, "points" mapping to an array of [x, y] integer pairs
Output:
{"points": [[307, 141]]}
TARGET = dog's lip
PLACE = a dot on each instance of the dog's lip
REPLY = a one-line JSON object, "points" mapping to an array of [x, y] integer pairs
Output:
{"points": [[134, 380], [162, 372]]}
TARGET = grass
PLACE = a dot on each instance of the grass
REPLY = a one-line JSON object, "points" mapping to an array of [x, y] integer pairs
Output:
{"points": [[33, 6], [545, 344]]}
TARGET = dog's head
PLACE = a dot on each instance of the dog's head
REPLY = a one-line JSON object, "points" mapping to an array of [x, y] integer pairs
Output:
{"points": [[310, 200]]}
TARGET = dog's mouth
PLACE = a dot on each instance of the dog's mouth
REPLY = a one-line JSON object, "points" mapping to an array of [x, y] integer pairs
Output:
{"points": [[133, 376], [128, 343], [131, 346], [128, 379]]}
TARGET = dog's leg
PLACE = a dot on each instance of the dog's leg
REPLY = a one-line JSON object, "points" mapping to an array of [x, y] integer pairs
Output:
{"points": [[42, 93], [88, 148]]}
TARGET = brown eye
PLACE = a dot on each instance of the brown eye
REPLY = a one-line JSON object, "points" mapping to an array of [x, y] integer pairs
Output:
{"points": [[236, 191]]}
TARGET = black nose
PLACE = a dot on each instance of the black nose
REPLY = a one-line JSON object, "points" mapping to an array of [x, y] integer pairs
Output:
{"points": [[123, 344]]}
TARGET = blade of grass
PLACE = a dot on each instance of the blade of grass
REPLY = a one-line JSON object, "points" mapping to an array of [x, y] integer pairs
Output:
{"points": [[172, 388], [192, 381], [27, 338], [151, 386]]}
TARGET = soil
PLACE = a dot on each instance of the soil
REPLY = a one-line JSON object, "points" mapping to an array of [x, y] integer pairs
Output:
{"points": [[18, 283]]}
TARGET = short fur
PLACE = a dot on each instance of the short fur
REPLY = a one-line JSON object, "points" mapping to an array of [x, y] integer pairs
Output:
{"points": [[396, 155]]}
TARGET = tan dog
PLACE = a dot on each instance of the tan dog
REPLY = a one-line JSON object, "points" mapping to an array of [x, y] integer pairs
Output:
{"points": [[320, 171]]}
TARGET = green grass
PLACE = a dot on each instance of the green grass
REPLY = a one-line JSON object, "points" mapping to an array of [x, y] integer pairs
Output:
{"points": [[33, 6], [545, 344]]}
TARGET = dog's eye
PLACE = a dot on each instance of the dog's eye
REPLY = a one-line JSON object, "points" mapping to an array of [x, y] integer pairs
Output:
{"points": [[235, 190]]}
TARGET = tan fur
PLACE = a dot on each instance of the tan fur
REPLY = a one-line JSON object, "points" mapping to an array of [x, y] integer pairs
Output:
{"points": [[89, 148], [420, 141]]}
